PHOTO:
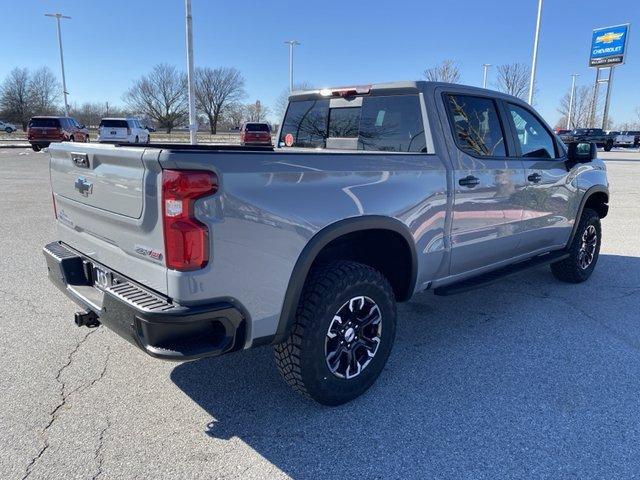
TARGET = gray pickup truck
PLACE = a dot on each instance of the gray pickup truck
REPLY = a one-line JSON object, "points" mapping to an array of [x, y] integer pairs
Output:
{"points": [[371, 195]]}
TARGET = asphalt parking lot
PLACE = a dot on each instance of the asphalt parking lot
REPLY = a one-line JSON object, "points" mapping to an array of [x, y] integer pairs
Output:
{"points": [[527, 378]]}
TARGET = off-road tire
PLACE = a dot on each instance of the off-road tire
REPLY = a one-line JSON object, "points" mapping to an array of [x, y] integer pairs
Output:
{"points": [[301, 358], [569, 269]]}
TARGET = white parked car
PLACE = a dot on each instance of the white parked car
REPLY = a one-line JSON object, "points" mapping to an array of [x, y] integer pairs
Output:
{"points": [[7, 127], [122, 130]]}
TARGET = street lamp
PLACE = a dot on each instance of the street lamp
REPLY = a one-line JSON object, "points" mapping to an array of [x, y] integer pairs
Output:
{"points": [[193, 126], [58, 16], [485, 67], [534, 60], [571, 97], [291, 43]]}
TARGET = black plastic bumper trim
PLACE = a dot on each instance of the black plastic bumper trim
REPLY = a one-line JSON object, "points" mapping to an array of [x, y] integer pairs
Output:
{"points": [[152, 322]]}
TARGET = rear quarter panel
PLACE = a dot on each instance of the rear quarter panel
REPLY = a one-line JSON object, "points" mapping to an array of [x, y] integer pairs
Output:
{"points": [[270, 204]]}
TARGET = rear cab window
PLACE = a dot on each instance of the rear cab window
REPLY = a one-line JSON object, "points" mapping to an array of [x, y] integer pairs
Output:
{"points": [[387, 123]]}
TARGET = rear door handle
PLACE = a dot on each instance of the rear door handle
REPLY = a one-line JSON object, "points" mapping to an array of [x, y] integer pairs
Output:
{"points": [[534, 177], [469, 181]]}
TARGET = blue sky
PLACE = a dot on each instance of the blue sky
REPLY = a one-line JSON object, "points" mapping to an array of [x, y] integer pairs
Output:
{"points": [[108, 44]]}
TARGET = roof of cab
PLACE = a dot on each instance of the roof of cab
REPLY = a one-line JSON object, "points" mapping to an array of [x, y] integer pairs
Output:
{"points": [[402, 87]]}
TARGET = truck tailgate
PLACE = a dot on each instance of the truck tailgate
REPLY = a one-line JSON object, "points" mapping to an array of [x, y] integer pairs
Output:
{"points": [[99, 193]]}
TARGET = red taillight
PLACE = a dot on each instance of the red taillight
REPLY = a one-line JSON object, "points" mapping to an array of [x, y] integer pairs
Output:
{"points": [[186, 239]]}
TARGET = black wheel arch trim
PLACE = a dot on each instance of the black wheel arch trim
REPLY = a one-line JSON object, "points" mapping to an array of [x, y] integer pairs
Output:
{"points": [[321, 239], [590, 192]]}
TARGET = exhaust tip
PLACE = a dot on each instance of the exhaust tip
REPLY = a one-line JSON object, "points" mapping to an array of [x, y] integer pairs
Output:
{"points": [[86, 319]]}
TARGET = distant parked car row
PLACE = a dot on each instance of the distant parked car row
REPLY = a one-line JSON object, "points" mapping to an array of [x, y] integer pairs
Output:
{"points": [[44, 130], [593, 135]]}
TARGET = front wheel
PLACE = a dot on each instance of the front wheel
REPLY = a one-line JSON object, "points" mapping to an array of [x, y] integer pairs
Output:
{"points": [[8, 130], [35, 148], [608, 146], [344, 329], [583, 251]]}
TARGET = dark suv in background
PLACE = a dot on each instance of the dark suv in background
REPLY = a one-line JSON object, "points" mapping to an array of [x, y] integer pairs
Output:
{"points": [[42, 131], [591, 135]]}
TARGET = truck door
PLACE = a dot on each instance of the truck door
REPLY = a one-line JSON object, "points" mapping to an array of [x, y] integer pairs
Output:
{"points": [[488, 183], [548, 208]]}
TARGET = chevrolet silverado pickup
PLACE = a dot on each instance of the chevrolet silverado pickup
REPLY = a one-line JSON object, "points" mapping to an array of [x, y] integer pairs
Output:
{"points": [[370, 195]]}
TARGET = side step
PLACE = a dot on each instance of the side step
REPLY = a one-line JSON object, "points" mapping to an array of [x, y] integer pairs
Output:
{"points": [[495, 275]]}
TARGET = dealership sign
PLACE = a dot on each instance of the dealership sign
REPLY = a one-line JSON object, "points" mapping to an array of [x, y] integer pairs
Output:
{"points": [[608, 46]]}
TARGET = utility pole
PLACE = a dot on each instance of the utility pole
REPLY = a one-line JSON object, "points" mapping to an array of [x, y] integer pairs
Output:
{"points": [[193, 121], [534, 60], [291, 43], [485, 66], [571, 97], [58, 16]]}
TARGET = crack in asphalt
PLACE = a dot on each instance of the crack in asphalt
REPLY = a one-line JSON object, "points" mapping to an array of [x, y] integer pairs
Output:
{"points": [[63, 401], [99, 457]]}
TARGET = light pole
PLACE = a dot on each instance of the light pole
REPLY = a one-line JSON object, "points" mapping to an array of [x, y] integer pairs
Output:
{"points": [[571, 97], [193, 122], [58, 16], [534, 60], [291, 43], [485, 67]]}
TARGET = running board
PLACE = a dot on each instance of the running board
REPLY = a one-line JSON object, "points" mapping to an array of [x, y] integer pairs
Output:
{"points": [[495, 275]]}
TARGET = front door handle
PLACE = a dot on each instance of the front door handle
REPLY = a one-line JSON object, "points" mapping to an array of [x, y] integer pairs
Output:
{"points": [[534, 177], [469, 181]]}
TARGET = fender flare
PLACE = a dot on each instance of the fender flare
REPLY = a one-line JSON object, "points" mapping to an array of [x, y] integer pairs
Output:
{"points": [[321, 239], [590, 191]]}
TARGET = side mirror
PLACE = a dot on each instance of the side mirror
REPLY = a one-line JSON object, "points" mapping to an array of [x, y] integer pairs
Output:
{"points": [[582, 152]]}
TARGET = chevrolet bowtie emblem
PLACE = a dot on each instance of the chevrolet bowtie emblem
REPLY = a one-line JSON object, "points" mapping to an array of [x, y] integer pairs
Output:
{"points": [[609, 37], [83, 186]]}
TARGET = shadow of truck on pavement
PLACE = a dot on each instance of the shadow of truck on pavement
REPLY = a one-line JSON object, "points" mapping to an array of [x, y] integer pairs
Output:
{"points": [[526, 377]]}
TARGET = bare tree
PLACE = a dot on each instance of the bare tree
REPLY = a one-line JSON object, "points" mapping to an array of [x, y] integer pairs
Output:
{"points": [[256, 112], [161, 96], [513, 78], [582, 105], [283, 99], [14, 97], [216, 90], [234, 115], [447, 71], [44, 92]]}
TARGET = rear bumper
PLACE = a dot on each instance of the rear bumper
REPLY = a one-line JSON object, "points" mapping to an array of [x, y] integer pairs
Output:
{"points": [[146, 319]]}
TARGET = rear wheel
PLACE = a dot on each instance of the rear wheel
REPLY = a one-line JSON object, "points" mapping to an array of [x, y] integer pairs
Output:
{"points": [[342, 337], [583, 252], [35, 148], [137, 140], [148, 138], [608, 146], [8, 130], [72, 139]]}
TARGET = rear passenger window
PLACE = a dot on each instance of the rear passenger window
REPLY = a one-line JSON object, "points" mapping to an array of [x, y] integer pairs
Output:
{"points": [[476, 125], [392, 124], [535, 141]]}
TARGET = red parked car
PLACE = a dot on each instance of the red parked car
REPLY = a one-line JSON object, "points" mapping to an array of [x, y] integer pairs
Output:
{"points": [[43, 131], [254, 133]]}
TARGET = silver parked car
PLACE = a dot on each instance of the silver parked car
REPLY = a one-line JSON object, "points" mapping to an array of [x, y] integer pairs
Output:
{"points": [[371, 195]]}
